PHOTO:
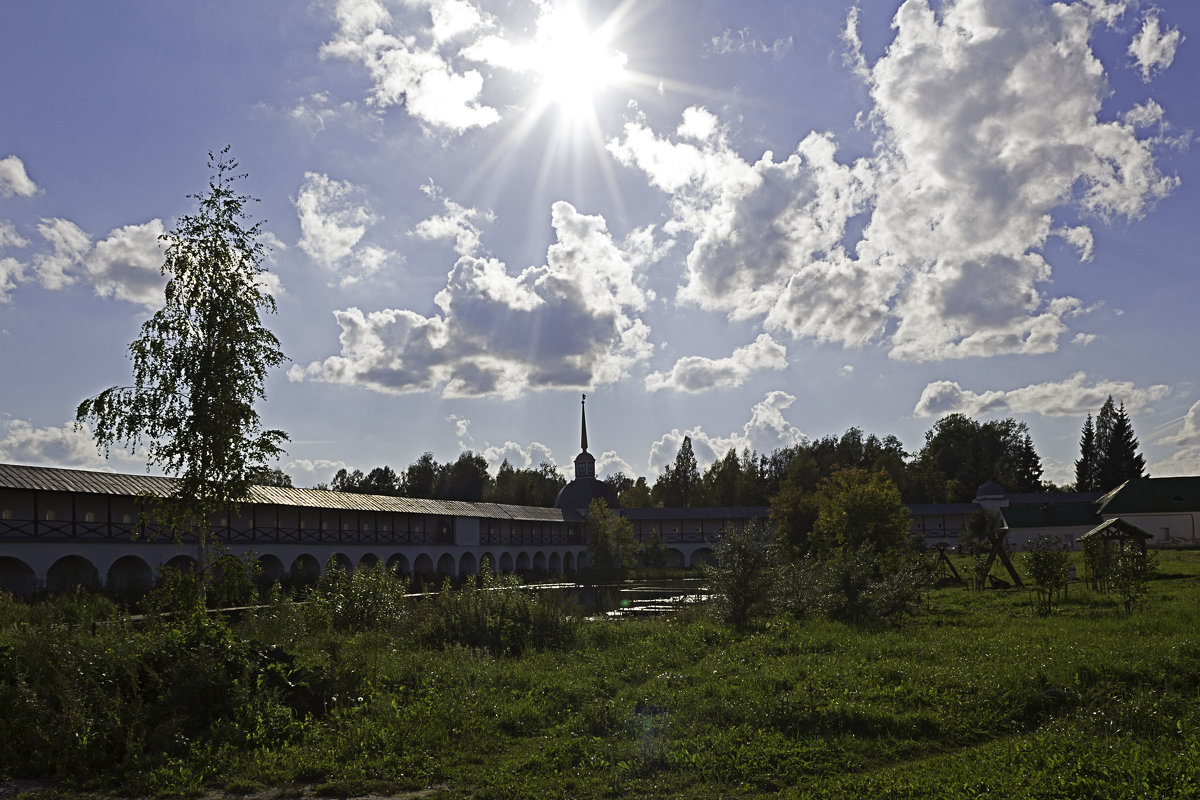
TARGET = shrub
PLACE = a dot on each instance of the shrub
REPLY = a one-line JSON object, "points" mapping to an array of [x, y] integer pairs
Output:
{"points": [[494, 613], [857, 586], [1049, 564], [743, 574]]}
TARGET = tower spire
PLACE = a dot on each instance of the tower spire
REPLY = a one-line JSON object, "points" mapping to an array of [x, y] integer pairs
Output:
{"points": [[583, 438]]}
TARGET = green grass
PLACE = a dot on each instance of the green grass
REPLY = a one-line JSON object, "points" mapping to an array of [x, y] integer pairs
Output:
{"points": [[974, 696]]}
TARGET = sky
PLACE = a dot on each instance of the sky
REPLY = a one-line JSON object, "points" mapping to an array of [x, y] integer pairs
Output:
{"points": [[749, 222]]}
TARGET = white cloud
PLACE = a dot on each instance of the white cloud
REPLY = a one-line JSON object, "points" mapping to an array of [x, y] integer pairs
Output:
{"points": [[457, 224], [1073, 397], [742, 41], [127, 264], [699, 374], [420, 68], [1186, 459], [756, 227], [517, 455], [1153, 47], [69, 247], [12, 271], [976, 154], [1189, 432], [309, 472], [51, 447], [14, 179], [570, 323], [609, 463], [334, 217], [765, 431]]}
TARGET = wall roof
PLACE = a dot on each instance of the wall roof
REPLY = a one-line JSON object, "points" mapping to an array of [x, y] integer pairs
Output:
{"points": [[49, 479], [1153, 496]]}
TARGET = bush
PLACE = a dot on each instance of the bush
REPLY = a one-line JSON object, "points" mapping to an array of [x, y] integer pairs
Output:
{"points": [[494, 613], [858, 586], [1049, 564], [744, 574]]}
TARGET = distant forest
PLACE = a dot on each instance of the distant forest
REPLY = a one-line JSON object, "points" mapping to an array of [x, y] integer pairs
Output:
{"points": [[959, 455]]}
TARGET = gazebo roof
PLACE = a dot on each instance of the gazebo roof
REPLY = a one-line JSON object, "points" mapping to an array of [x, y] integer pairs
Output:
{"points": [[1116, 528]]}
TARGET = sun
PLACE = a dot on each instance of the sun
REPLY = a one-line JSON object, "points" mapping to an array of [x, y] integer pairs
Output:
{"points": [[571, 62]]}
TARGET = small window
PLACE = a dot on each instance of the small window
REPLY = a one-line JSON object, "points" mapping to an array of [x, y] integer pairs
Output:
{"points": [[127, 519], [51, 515], [385, 527], [6, 514], [89, 516], [324, 526]]}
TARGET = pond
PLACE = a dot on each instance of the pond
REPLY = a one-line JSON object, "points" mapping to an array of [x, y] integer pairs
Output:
{"points": [[631, 598]]}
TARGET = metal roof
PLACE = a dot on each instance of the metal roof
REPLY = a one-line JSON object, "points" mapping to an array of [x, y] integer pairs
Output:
{"points": [[1153, 495], [50, 479], [716, 512]]}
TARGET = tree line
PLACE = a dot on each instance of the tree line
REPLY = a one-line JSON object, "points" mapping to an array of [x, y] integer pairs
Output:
{"points": [[959, 454]]}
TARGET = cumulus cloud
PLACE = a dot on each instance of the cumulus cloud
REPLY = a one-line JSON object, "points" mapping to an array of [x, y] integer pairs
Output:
{"points": [[457, 224], [127, 264], [1073, 397], [699, 374], [572, 322], [310, 472], [48, 447], [1153, 47], [14, 179], [416, 62], [976, 153], [518, 456], [609, 463], [69, 245], [12, 271], [766, 430], [1185, 460], [334, 217]]}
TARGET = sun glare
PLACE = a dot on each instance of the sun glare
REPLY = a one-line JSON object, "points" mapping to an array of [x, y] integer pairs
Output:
{"points": [[571, 62]]}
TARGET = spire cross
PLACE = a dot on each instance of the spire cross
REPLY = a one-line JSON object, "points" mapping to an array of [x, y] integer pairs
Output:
{"points": [[583, 438]]}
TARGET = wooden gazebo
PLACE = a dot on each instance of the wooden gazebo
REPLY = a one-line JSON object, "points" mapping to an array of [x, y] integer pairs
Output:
{"points": [[1114, 535]]}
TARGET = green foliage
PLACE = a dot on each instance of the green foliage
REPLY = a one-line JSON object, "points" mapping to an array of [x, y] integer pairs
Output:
{"points": [[975, 541], [493, 613], [199, 366], [975, 696], [857, 508], [1127, 573], [859, 585], [612, 547], [743, 576], [1108, 451], [961, 454], [679, 485], [655, 552], [233, 581], [1048, 563]]}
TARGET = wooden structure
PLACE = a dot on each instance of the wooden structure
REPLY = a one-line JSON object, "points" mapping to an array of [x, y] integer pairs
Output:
{"points": [[1109, 537]]}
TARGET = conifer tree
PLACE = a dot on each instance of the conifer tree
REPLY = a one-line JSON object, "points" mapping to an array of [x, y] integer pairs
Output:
{"points": [[1120, 460], [1086, 479]]}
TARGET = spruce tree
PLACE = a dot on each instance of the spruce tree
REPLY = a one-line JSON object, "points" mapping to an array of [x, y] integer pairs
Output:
{"points": [[1120, 461], [1086, 479]]}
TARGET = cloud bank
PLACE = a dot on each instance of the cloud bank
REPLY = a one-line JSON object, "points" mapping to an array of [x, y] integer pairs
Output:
{"points": [[573, 322], [1073, 397], [976, 156]]}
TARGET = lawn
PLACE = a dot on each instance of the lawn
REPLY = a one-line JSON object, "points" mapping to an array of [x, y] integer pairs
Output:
{"points": [[975, 695]]}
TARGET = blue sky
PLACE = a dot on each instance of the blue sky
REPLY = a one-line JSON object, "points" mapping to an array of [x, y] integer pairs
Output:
{"points": [[746, 222]]}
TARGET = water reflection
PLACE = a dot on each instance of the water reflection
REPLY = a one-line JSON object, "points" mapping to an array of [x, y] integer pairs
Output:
{"points": [[631, 598]]}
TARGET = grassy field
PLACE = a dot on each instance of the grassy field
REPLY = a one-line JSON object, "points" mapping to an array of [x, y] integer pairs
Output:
{"points": [[975, 695]]}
